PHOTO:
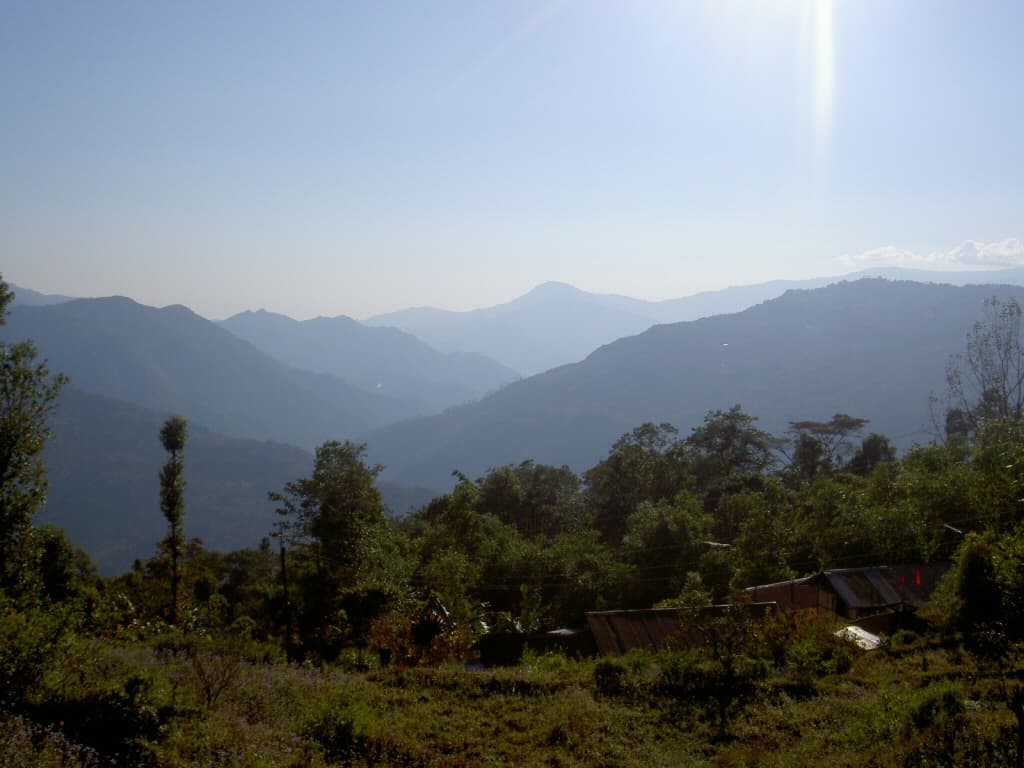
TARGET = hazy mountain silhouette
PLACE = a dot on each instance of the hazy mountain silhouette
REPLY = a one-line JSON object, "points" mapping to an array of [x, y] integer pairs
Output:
{"points": [[104, 462], [173, 360], [555, 323], [552, 324], [870, 348], [385, 360], [29, 298]]}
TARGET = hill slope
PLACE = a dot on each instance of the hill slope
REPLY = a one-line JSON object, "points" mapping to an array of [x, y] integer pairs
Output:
{"points": [[551, 325], [556, 324], [385, 360], [871, 348], [30, 298], [104, 462], [172, 360], [103, 465]]}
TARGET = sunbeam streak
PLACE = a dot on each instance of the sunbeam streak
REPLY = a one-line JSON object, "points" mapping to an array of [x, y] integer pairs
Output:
{"points": [[824, 73]]}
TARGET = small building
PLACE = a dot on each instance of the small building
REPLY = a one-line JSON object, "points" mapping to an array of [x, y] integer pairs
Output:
{"points": [[795, 595], [616, 632], [857, 594]]}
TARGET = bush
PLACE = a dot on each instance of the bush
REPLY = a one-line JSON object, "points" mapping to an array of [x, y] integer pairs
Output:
{"points": [[118, 722], [904, 641], [342, 731], [609, 677], [29, 640], [676, 671], [935, 703]]}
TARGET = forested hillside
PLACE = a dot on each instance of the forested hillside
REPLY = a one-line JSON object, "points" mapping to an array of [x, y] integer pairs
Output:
{"points": [[383, 360], [172, 360], [873, 348], [555, 324], [102, 462]]}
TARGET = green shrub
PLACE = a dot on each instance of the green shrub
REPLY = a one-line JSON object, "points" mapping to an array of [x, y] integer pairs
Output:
{"points": [[118, 722], [904, 641], [675, 671], [935, 703], [29, 640], [610, 677], [342, 730]]}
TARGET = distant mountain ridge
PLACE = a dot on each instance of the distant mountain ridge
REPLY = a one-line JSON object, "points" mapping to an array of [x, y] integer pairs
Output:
{"points": [[871, 348], [555, 323], [549, 326], [385, 360], [30, 298], [103, 465], [173, 360]]}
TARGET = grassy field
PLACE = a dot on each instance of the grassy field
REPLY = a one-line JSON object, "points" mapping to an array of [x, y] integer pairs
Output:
{"points": [[183, 703]]}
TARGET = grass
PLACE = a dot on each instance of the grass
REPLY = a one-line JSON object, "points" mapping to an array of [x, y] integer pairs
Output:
{"points": [[919, 706]]}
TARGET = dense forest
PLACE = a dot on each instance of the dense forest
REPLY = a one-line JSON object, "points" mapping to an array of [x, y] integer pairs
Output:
{"points": [[352, 637]]}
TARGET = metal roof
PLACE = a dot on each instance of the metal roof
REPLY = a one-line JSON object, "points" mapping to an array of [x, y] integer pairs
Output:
{"points": [[862, 587], [869, 587]]}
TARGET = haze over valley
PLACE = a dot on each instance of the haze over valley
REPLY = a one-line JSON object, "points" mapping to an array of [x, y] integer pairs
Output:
{"points": [[263, 390]]}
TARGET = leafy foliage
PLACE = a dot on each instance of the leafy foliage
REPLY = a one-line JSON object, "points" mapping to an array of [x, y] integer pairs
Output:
{"points": [[28, 397]]}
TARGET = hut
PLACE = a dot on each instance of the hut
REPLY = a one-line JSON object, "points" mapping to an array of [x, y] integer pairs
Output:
{"points": [[616, 632]]}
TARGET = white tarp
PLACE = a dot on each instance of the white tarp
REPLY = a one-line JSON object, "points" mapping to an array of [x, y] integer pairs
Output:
{"points": [[860, 637]]}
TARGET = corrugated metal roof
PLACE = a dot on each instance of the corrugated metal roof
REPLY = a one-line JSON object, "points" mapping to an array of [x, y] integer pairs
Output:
{"points": [[862, 587], [915, 583], [620, 631]]}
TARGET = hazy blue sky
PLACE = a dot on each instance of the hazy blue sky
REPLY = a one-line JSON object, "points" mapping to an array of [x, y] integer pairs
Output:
{"points": [[356, 157]]}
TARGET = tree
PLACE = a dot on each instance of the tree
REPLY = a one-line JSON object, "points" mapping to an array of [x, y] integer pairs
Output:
{"points": [[663, 543], [335, 518], [820, 446], [538, 499], [333, 509], [28, 397], [648, 464], [988, 383], [173, 435], [983, 597], [728, 442], [874, 449]]}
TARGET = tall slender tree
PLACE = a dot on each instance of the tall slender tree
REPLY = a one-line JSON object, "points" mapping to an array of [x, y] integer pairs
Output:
{"points": [[173, 435]]}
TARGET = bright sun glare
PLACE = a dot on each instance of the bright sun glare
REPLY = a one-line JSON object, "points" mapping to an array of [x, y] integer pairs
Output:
{"points": [[824, 71]]}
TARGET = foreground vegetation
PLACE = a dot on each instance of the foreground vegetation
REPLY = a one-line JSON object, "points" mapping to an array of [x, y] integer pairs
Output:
{"points": [[351, 638], [184, 704]]}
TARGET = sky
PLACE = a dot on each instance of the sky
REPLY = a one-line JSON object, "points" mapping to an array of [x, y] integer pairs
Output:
{"points": [[324, 158]]}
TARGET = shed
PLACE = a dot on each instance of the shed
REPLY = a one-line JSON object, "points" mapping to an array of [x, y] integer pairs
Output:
{"points": [[854, 593], [795, 595], [616, 632]]}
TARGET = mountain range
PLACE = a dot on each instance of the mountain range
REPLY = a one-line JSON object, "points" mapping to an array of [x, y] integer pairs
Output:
{"points": [[555, 323], [382, 360], [551, 325], [103, 465], [173, 360], [872, 348]]}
